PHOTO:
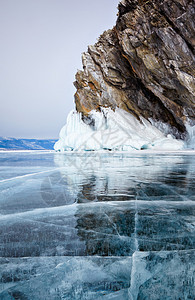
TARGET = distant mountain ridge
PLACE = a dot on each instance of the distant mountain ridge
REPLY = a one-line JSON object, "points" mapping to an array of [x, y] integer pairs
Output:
{"points": [[26, 144]]}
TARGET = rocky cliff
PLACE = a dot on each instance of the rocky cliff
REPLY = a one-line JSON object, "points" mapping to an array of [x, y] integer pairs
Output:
{"points": [[144, 65]]}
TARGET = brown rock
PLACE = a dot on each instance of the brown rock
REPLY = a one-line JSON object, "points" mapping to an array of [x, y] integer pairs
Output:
{"points": [[144, 65]]}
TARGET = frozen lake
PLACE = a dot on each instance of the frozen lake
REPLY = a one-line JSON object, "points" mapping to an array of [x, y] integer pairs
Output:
{"points": [[97, 225]]}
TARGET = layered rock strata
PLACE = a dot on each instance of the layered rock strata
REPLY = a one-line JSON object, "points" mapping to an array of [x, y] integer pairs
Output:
{"points": [[144, 65]]}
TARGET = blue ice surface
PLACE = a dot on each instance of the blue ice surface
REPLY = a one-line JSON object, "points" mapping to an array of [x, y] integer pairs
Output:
{"points": [[97, 225]]}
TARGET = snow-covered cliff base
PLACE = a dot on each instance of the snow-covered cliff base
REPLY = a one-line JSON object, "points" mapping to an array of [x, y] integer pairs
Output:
{"points": [[116, 130]]}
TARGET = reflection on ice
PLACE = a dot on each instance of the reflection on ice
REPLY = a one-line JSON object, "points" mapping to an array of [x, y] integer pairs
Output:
{"points": [[86, 226], [119, 177], [99, 229]]}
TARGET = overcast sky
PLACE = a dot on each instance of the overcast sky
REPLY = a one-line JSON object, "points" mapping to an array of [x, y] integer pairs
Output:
{"points": [[41, 42]]}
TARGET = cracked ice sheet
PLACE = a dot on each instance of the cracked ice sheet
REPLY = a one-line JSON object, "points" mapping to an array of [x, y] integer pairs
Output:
{"points": [[165, 226], [17, 164], [105, 229], [64, 277], [155, 212], [84, 229], [163, 275], [40, 190], [52, 179]]}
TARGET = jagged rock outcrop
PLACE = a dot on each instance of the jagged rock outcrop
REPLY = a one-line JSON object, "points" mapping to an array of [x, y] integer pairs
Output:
{"points": [[144, 65]]}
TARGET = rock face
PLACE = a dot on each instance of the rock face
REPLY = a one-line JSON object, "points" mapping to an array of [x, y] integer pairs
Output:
{"points": [[144, 65]]}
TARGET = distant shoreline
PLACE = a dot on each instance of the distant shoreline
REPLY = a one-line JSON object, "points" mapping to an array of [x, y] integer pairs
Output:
{"points": [[133, 152]]}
